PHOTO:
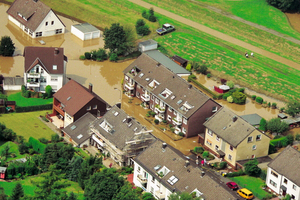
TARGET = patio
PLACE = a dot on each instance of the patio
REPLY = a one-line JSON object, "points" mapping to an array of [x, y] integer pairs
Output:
{"points": [[57, 122]]}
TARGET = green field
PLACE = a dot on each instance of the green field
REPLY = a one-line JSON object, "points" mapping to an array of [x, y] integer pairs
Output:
{"points": [[27, 124], [29, 187], [22, 101], [13, 148]]}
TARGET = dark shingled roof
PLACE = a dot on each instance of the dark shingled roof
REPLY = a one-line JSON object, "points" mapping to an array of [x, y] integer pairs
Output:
{"points": [[45, 57], [287, 164], [80, 127], [253, 119], [189, 178], [148, 42], [33, 11], [223, 125], [122, 130], [181, 90], [79, 97]]}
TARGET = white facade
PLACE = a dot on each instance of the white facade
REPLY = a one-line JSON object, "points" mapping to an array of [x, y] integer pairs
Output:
{"points": [[148, 183], [68, 119], [147, 47], [278, 183], [51, 25], [85, 35]]}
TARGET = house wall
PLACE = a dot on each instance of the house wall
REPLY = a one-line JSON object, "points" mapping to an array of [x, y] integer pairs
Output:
{"points": [[49, 29], [77, 33], [143, 48], [12, 87], [245, 149], [16, 22], [195, 122], [68, 119]]}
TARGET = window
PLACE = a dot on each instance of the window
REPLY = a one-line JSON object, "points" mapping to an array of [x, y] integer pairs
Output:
{"points": [[253, 147], [94, 107], [273, 183], [294, 187], [157, 101], [52, 23], [43, 80], [274, 174], [183, 130], [152, 190], [285, 181], [170, 109], [231, 148], [46, 24], [30, 32], [139, 169], [208, 142], [153, 179], [57, 31], [184, 120], [54, 67], [54, 78], [88, 108], [217, 138], [229, 157], [137, 94], [258, 137], [26, 29], [38, 34], [217, 148], [42, 70], [169, 118], [175, 113], [250, 139], [210, 132]]}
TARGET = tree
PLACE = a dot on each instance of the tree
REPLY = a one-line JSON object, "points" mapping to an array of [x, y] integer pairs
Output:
{"points": [[9, 134], [285, 5], [5, 151], [126, 193], [151, 16], [183, 196], [251, 168], [141, 27], [115, 39], [263, 124], [293, 108], [7, 47], [74, 167], [72, 196], [230, 84], [277, 126], [148, 196], [239, 97], [55, 138], [17, 192], [48, 91], [200, 68], [3, 196]]}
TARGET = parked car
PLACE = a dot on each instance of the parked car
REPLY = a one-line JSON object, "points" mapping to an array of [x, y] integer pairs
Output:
{"points": [[232, 185], [245, 193]]}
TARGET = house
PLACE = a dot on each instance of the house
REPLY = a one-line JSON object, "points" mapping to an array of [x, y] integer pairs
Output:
{"points": [[35, 18], [163, 170], [180, 61], [74, 100], [44, 66], [119, 135], [231, 138], [78, 132], [147, 45], [283, 173], [172, 98], [167, 62], [85, 31], [2, 172]]}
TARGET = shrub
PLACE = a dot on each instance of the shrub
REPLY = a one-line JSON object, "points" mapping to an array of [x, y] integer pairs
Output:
{"points": [[280, 142], [208, 75], [201, 68], [145, 14], [242, 90], [172, 130], [31, 151], [223, 165], [190, 77], [170, 125], [226, 95], [37, 145], [100, 55], [297, 137], [164, 121], [147, 115], [238, 173], [230, 84], [181, 134], [274, 105], [113, 57], [199, 150], [87, 55], [55, 138], [290, 139], [205, 154], [82, 57], [239, 97], [272, 149], [33, 108], [23, 148], [230, 99], [263, 175], [253, 97], [269, 104], [189, 67], [263, 124], [251, 168], [48, 91], [152, 18], [43, 140], [259, 100], [156, 121], [27, 94]]}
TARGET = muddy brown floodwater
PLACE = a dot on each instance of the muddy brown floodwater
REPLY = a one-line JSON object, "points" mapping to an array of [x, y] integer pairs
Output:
{"points": [[294, 19]]}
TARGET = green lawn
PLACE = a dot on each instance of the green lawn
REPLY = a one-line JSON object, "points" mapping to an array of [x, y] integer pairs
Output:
{"points": [[29, 187], [22, 101], [13, 148], [27, 124], [81, 153], [251, 183]]}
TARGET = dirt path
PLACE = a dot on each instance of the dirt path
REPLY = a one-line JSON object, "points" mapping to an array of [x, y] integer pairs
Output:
{"points": [[219, 34]]}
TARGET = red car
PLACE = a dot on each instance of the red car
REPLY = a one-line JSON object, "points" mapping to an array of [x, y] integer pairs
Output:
{"points": [[232, 185]]}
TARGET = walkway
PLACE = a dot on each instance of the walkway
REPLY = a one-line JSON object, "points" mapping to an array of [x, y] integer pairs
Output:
{"points": [[218, 34]]}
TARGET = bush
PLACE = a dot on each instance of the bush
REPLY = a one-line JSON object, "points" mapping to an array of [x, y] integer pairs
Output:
{"points": [[172, 130], [238, 173], [190, 77], [263, 175], [269, 104], [164, 121], [87, 55], [253, 97], [201, 68], [239, 97], [31, 151], [27, 94], [145, 14], [43, 140], [189, 67], [242, 90], [297, 137], [82, 57], [205, 154], [48, 91], [263, 124], [208, 75], [274, 105], [259, 100], [230, 84], [55, 138], [223, 165], [230, 99], [152, 18], [113, 57], [170, 125], [272, 149], [280, 142], [37, 145], [198, 150], [226, 95], [181, 134], [33, 108], [23, 148], [156, 121]]}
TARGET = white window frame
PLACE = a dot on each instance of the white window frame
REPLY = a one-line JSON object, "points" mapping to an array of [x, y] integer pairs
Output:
{"points": [[95, 106], [184, 120], [250, 140], [273, 183], [209, 132], [254, 147], [229, 157], [88, 108], [210, 144], [231, 148], [294, 187], [217, 138], [216, 147], [259, 139]]}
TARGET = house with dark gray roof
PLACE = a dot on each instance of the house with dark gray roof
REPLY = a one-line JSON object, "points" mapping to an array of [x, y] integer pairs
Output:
{"points": [[231, 138], [163, 170], [283, 173], [172, 98], [120, 135], [78, 133], [35, 18]]}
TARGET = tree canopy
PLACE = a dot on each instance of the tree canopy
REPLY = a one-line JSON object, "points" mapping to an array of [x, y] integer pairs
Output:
{"points": [[251, 168], [115, 39], [293, 108], [7, 47], [285, 5], [17, 192], [275, 125]]}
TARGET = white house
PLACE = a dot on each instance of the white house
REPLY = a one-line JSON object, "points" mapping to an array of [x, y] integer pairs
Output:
{"points": [[44, 66], [35, 18], [85, 31], [283, 174], [163, 170], [147, 45]]}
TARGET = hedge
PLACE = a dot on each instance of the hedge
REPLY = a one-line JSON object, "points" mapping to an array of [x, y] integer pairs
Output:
{"points": [[215, 96], [37, 145], [280, 142], [33, 108]]}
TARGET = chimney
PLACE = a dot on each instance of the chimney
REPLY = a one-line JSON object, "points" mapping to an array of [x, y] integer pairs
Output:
{"points": [[90, 88], [187, 163], [164, 145], [56, 51], [190, 86], [234, 118], [202, 173], [128, 119], [158, 64]]}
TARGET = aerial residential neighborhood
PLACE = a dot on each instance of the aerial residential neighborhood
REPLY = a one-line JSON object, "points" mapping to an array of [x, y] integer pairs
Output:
{"points": [[145, 100]]}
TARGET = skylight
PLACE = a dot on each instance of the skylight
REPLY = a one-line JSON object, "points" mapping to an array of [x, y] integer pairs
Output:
{"points": [[54, 67], [69, 98], [135, 128], [166, 93], [172, 180], [130, 124], [141, 75], [124, 120], [79, 136], [173, 97], [73, 127], [116, 114], [179, 102], [157, 167], [147, 79]]}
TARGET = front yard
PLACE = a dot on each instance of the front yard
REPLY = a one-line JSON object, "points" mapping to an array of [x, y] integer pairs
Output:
{"points": [[22, 101]]}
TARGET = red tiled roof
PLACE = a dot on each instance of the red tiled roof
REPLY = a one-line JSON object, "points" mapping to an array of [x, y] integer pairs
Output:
{"points": [[46, 57]]}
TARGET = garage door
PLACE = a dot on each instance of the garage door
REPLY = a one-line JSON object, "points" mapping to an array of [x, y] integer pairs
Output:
{"points": [[87, 36]]}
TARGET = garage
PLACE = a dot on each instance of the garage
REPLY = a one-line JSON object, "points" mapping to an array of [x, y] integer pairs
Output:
{"points": [[85, 31]]}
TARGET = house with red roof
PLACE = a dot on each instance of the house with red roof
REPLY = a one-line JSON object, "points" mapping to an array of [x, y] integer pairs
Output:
{"points": [[35, 18], [44, 66], [73, 101]]}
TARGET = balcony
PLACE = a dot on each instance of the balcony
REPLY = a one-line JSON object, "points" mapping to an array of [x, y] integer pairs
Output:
{"points": [[101, 143], [34, 75], [59, 109], [129, 86], [141, 178], [160, 195], [160, 117], [33, 84], [145, 97], [177, 122], [159, 109]]}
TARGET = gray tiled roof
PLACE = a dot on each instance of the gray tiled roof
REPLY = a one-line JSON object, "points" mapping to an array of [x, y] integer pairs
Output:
{"points": [[222, 124], [122, 130], [167, 62], [253, 119], [86, 27], [287, 164], [181, 89], [148, 42], [189, 178], [80, 127]]}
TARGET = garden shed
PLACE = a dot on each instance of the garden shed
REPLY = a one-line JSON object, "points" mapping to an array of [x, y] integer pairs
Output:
{"points": [[85, 31], [147, 45], [2, 172], [180, 61]]}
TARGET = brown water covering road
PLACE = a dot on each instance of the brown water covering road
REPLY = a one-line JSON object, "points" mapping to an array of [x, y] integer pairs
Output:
{"points": [[218, 34], [294, 19]]}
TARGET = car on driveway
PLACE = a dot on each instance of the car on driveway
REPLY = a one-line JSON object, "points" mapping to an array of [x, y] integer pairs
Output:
{"points": [[232, 185]]}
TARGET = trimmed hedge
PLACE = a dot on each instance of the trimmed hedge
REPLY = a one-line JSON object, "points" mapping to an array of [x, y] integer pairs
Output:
{"points": [[37, 145], [33, 108], [280, 142]]}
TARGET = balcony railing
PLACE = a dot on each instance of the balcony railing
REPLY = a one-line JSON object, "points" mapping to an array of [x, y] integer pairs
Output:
{"points": [[159, 109], [160, 118], [34, 75], [145, 97], [177, 122], [33, 84], [129, 86], [59, 109], [141, 178], [160, 195]]}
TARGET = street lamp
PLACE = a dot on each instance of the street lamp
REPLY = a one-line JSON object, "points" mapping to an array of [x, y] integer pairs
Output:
{"points": [[120, 96]]}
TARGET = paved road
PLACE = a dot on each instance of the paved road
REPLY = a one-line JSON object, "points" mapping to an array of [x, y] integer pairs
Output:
{"points": [[218, 34]]}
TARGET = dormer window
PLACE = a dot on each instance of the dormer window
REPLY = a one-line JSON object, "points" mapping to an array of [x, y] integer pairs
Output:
{"points": [[153, 84], [166, 93], [54, 67]]}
